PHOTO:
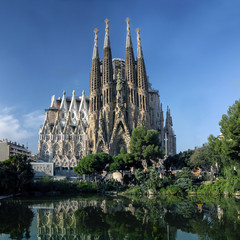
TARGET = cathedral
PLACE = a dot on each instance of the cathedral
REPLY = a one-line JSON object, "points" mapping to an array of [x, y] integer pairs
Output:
{"points": [[120, 99]]}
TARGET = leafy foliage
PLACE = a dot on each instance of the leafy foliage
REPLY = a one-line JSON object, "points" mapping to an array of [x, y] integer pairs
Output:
{"points": [[16, 174], [16, 219], [225, 151], [145, 144], [179, 160], [123, 161], [230, 128], [93, 163], [185, 173], [184, 183], [148, 179], [201, 157]]}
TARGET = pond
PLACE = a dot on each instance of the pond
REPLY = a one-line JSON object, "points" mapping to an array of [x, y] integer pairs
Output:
{"points": [[103, 218]]}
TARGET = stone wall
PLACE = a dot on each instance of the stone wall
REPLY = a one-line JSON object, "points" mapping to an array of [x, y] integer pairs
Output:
{"points": [[42, 169]]}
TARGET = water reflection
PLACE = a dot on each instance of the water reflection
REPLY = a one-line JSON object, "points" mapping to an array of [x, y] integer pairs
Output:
{"points": [[15, 220], [121, 218]]}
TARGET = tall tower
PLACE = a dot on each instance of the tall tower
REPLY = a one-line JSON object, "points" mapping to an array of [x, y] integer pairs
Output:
{"points": [[107, 84], [121, 97], [95, 95], [143, 99], [130, 74], [169, 136]]}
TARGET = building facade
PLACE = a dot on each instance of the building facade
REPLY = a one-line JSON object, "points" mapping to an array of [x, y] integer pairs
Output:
{"points": [[9, 148], [62, 137], [120, 99]]}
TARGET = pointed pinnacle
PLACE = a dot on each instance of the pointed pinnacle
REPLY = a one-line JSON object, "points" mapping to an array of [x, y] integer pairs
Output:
{"points": [[107, 26], [96, 35], [128, 24], [138, 35]]}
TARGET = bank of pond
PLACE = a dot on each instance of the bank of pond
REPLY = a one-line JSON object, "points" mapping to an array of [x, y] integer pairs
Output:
{"points": [[158, 187], [116, 217]]}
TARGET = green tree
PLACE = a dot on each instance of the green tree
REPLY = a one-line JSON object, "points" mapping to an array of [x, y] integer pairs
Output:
{"points": [[93, 163], [185, 173], [184, 183], [216, 152], [145, 144], [16, 174], [201, 157], [179, 160], [225, 151], [16, 219], [230, 129], [123, 161]]}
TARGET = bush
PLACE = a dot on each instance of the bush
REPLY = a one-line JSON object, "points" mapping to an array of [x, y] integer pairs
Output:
{"points": [[136, 190], [185, 173], [184, 183], [171, 190], [87, 187], [220, 187], [63, 186]]}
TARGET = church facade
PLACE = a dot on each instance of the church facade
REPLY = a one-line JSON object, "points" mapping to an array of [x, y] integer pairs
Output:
{"points": [[62, 137], [120, 99]]}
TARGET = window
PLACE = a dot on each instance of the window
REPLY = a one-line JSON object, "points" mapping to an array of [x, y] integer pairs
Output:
{"points": [[63, 115], [72, 115]]}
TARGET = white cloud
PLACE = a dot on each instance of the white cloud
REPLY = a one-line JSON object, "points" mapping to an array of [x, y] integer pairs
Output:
{"points": [[17, 129], [33, 120]]}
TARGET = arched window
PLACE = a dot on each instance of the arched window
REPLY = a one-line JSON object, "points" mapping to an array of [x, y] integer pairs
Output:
{"points": [[56, 150], [68, 149]]}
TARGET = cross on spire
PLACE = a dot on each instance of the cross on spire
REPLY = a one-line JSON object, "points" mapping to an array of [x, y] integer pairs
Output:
{"points": [[166, 145]]}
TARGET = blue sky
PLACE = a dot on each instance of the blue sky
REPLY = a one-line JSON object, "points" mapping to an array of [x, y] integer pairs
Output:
{"points": [[191, 50]]}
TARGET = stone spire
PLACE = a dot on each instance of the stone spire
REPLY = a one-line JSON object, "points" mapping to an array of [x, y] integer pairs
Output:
{"points": [[83, 104], [141, 70], [129, 58], [161, 117], [128, 40], [168, 123], [73, 105], [107, 72], [95, 48], [53, 102], [64, 102], [106, 39], [139, 46], [95, 70], [169, 135]]}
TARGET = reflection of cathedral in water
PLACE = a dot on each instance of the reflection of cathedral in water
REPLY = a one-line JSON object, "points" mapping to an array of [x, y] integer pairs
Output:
{"points": [[59, 221], [115, 218]]}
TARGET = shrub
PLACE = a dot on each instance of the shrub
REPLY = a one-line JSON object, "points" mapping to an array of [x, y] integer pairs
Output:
{"points": [[184, 183], [185, 173], [171, 190], [136, 190]]}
